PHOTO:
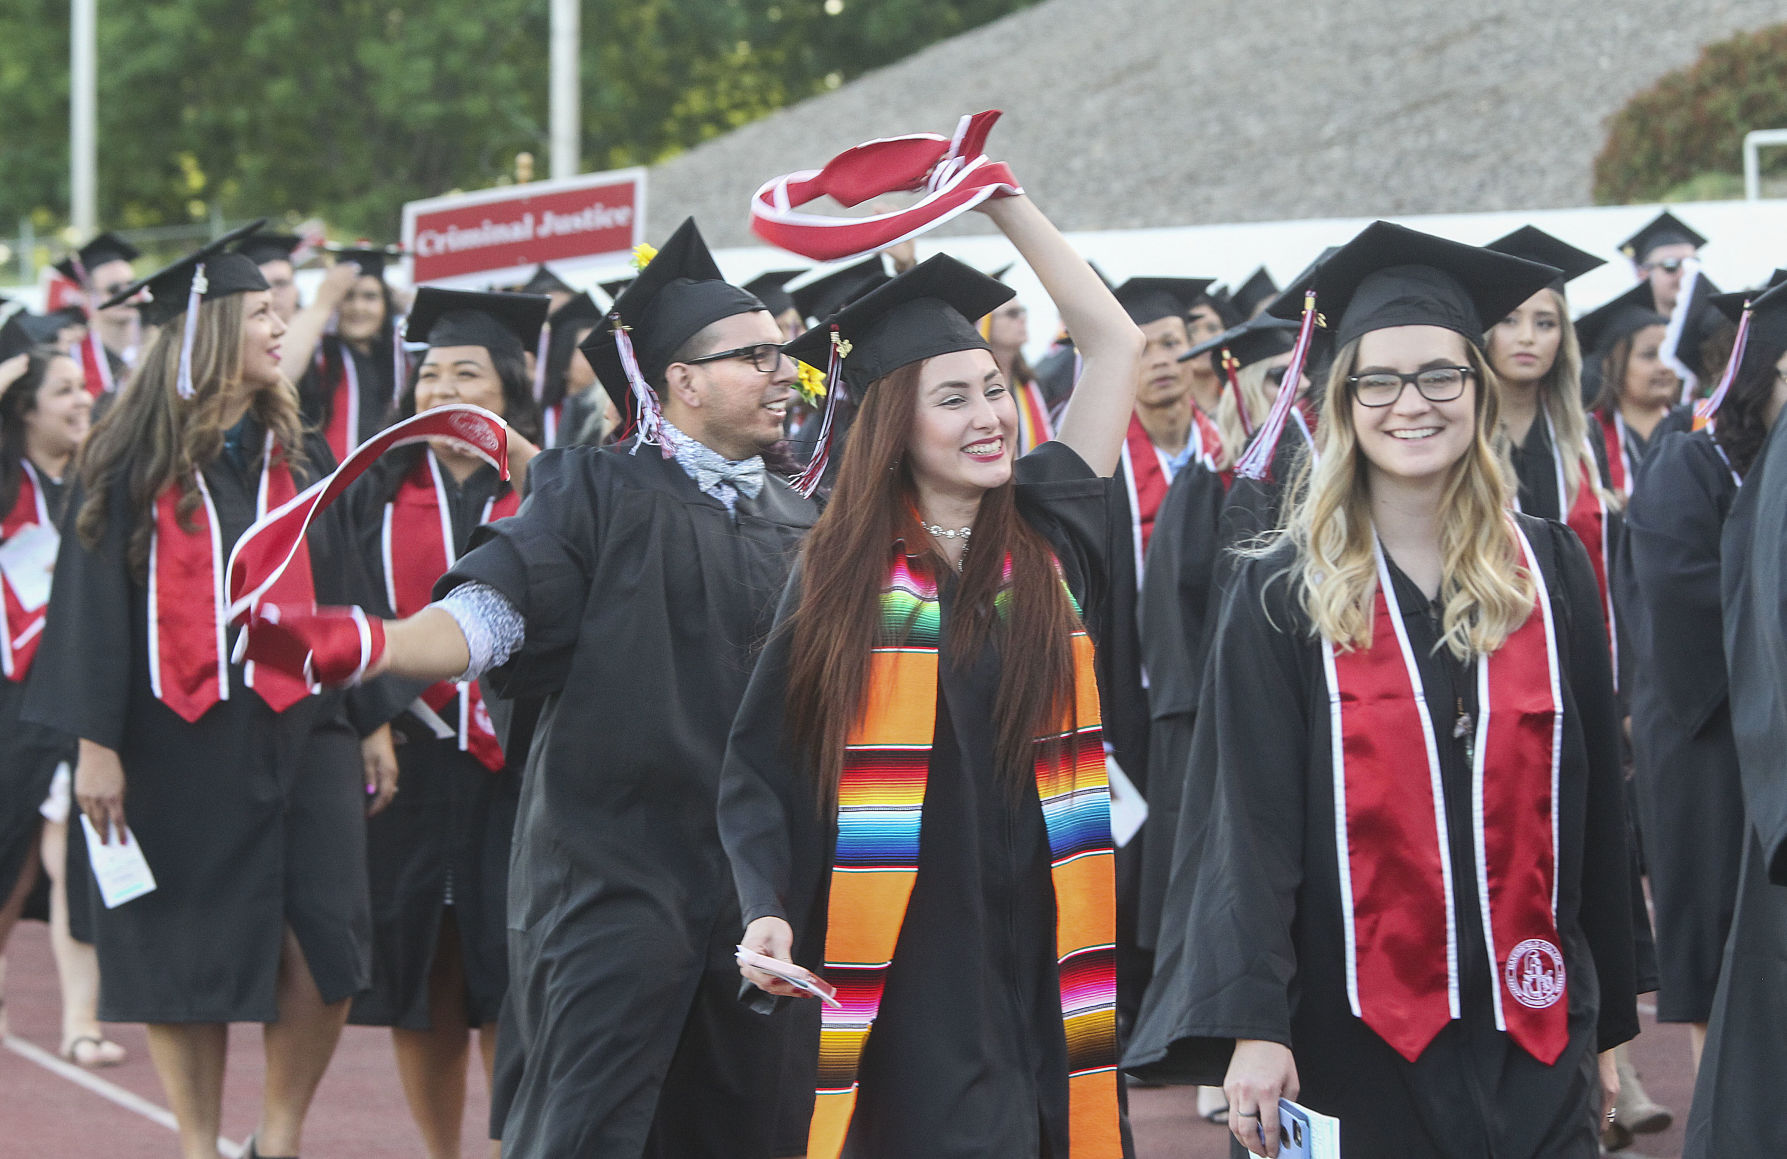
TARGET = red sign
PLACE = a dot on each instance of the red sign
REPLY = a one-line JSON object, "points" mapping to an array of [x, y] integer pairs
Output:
{"points": [[478, 238]]}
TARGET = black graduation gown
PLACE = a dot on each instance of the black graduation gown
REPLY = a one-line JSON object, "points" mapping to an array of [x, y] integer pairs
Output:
{"points": [[29, 753], [448, 829], [316, 397], [1255, 949], [1737, 1096], [645, 603], [250, 820], [968, 1055], [1690, 805]]}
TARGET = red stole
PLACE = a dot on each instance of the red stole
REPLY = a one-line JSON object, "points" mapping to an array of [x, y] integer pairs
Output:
{"points": [[1390, 820], [1034, 427], [20, 630], [1208, 436], [550, 417], [189, 668], [417, 547], [343, 431], [95, 365], [1619, 462], [1147, 481]]}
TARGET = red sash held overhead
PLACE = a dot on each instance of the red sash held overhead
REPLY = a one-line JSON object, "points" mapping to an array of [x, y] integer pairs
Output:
{"points": [[1396, 875], [20, 630], [189, 667], [1147, 482], [417, 546]]}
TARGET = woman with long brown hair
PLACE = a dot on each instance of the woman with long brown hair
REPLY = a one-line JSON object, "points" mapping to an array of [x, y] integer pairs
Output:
{"points": [[930, 687], [1408, 904], [242, 790]]}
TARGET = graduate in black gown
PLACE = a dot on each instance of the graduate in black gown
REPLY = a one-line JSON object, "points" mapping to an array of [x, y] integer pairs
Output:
{"points": [[1637, 394], [629, 597], [438, 856], [1737, 1106], [348, 388], [983, 885], [569, 403], [244, 792], [1365, 930]]}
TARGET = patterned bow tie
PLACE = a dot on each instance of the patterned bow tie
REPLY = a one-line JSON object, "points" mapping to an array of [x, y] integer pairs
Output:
{"points": [[745, 476]]}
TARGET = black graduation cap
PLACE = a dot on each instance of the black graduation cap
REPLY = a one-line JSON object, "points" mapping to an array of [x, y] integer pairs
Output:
{"points": [[581, 310], [370, 259], [677, 294], [769, 288], [1775, 279], [824, 296], [1700, 319], [226, 273], [1390, 275], [933, 308], [261, 248], [1151, 299], [1252, 341], [1535, 245], [544, 281], [1768, 319], [494, 321], [107, 247], [14, 339], [1663, 229], [1254, 292], [1627, 314], [998, 275], [46, 328]]}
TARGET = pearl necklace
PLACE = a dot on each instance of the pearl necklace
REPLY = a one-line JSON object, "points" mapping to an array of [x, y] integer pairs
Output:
{"points": [[950, 533]]}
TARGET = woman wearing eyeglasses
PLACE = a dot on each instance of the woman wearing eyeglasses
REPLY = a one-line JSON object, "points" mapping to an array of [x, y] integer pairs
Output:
{"points": [[1409, 906]]}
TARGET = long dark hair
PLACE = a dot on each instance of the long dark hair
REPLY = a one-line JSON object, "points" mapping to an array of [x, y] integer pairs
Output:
{"points": [[153, 438], [519, 410], [333, 351], [845, 562], [1739, 427], [20, 400]]}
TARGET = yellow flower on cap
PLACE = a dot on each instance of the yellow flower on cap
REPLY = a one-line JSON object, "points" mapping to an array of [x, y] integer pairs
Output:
{"points": [[811, 384], [643, 255]]}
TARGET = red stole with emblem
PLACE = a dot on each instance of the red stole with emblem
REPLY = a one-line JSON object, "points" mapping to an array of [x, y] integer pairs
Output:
{"points": [[417, 547], [20, 630], [1395, 864], [189, 663]]}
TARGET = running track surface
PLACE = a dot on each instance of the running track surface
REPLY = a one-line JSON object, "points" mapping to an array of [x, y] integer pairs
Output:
{"points": [[360, 1112]]}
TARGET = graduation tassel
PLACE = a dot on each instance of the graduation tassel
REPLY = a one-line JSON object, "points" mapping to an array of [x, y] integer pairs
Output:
{"points": [[540, 361], [194, 296], [400, 359], [1708, 406], [1230, 364], [650, 419], [1256, 461], [808, 480]]}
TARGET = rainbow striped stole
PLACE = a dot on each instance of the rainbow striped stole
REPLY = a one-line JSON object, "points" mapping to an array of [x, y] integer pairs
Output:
{"points": [[880, 811]]}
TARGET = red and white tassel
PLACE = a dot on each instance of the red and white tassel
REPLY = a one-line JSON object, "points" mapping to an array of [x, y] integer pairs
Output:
{"points": [[808, 480], [649, 422], [1230, 365], [1256, 461], [194, 296]]}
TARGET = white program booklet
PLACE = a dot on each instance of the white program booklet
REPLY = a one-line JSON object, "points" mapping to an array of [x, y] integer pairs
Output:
{"points": [[119, 868], [27, 560], [1128, 808], [1306, 1134], [799, 977]]}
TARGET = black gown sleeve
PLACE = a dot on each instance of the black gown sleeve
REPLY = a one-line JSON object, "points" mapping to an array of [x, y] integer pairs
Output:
{"points": [[1060, 496], [1177, 584], [1607, 866], [542, 559]]}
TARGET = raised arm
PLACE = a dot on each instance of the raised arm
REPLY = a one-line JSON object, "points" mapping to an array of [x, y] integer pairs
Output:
{"points": [[306, 328], [1109, 344]]}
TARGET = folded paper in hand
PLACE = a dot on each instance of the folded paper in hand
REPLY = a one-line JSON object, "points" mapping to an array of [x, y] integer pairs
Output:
{"points": [[797, 976]]}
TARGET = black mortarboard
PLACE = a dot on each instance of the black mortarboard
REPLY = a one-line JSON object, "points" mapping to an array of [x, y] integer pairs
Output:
{"points": [[1663, 229], [1254, 292], [1625, 315], [1151, 299], [998, 275], [1535, 245], [544, 281], [768, 286], [494, 321], [1700, 319], [46, 328], [581, 310], [169, 288], [825, 295], [1775, 279], [370, 259], [14, 339], [1390, 275], [1250, 342], [1768, 319], [933, 308], [678, 294], [261, 248], [107, 247]]}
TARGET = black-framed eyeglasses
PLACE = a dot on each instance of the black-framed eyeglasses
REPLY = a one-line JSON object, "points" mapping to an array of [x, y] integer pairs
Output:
{"points": [[1667, 265], [764, 356], [1384, 387]]}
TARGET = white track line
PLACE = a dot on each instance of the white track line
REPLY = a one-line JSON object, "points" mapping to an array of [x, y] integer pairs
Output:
{"points": [[129, 1100]]}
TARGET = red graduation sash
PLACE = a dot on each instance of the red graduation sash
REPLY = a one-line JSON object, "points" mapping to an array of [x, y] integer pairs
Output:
{"points": [[1208, 436], [550, 417], [95, 366], [189, 667], [343, 431], [417, 547], [20, 630], [1619, 463], [1147, 482], [1391, 830]]}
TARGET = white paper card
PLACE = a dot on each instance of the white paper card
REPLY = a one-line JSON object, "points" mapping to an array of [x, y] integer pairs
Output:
{"points": [[1128, 809], [119, 869], [27, 560]]}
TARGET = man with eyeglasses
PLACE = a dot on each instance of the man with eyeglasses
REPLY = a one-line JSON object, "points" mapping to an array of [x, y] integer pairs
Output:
{"points": [[102, 268], [1658, 252], [620, 611]]}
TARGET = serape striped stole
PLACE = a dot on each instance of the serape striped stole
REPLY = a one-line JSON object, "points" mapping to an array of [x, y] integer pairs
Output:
{"points": [[881, 794]]}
